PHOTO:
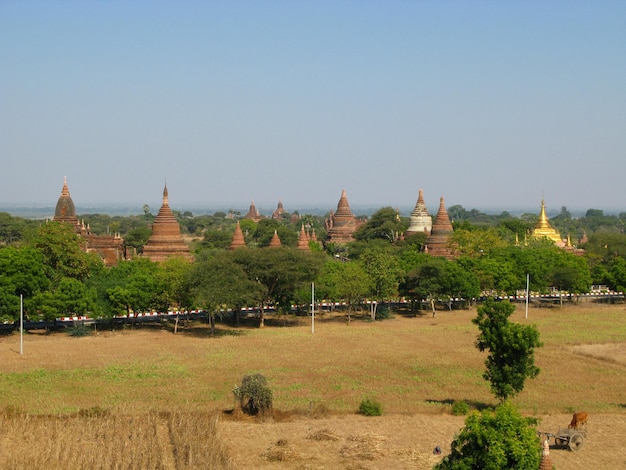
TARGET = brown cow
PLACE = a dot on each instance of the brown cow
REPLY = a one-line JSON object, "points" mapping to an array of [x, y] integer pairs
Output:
{"points": [[578, 419]]}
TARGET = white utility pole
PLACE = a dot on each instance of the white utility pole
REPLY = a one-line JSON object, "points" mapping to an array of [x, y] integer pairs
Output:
{"points": [[312, 307]]}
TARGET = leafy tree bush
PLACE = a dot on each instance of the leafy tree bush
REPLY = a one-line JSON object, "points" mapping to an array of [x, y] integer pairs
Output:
{"points": [[255, 397], [493, 440], [370, 407], [511, 348], [460, 408], [383, 312]]}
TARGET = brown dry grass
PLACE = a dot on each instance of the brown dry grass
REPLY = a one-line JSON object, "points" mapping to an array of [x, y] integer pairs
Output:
{"points": [[160, 388]]}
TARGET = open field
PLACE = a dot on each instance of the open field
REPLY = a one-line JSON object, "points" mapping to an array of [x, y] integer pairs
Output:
{"points": [[156, 384]]}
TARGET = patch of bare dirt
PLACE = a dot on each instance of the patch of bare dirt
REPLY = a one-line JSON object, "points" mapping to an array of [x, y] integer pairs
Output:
{"points": [[399, 442], [612, 352]]}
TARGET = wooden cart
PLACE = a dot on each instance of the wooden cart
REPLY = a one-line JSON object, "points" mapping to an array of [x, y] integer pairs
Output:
{"points": [[568, 437]]}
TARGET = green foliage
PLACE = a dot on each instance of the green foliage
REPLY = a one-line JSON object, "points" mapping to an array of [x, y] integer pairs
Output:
{"points": [[63, 251], [342, 281], [383, 312], [384, 224], [460, 408], [216, 281], [79, 330], [494, 440], [254, 395], [136, 238], [279, 273], [370, 407], [511, 348]]}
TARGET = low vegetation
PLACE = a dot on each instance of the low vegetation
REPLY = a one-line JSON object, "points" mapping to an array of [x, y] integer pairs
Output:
{"points": [[156, 397]]}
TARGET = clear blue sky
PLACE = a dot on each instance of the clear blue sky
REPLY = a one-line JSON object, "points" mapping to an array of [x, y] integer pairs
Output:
{"points": [[489, 104]]}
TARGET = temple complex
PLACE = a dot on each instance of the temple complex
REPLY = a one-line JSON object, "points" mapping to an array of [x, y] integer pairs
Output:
{"points": [[438, 242], [543, 229], [238, 239], [166, 240], [420, 220], [253, 213], [342, 224], [278, 213], [110, 248]]}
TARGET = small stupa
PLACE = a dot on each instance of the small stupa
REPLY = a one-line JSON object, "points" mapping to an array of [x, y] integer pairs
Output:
{"points": [[342, 223], [275, 241], [546, 462], [303, 240], [420, 220], [166, 240], [437, 243], [543, 229], [238, 239]]}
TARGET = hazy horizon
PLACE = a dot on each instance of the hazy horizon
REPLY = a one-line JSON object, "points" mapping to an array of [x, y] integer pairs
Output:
{"points": [[484, 103]]}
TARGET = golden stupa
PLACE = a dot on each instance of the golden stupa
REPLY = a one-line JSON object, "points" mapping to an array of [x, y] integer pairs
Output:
{"points": [[543, 229]]}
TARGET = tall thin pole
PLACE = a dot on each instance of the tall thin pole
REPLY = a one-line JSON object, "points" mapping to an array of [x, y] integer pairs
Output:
{"points": [[527, 292], [312, 307], [21, 324]]}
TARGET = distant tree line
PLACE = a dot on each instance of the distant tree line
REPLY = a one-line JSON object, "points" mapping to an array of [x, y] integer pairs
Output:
{"points": [[45, 263]]}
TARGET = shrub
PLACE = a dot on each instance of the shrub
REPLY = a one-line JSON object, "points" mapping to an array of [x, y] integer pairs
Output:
{"points": [[370, 407], [79, 330], [460, 408], [383, 312], [493, 440], [254, 396]]}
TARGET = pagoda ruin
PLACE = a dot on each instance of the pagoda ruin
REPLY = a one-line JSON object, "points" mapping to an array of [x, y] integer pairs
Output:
{"points": [[342, 224], [109, 248], [438, 242], [420, 220], [166, 240]]}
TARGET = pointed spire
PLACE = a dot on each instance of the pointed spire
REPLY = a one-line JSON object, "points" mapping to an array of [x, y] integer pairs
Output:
{"points": [[65, 210], [546, 462], [543, 229], [341, 224], [65, 191], [303, 240], [166, 201], [420, 220], [165, 240], [438, 240], [238, 239], [275, 241], [343, 207]]}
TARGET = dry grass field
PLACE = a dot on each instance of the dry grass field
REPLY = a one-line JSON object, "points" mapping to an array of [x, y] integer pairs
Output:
{"points": [[148, 398]]}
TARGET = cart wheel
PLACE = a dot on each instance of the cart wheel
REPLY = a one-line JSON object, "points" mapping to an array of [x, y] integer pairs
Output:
{"points": [[576, 441]]}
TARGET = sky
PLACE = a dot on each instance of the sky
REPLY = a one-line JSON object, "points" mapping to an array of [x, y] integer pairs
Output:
{"points": [[491, 105]]}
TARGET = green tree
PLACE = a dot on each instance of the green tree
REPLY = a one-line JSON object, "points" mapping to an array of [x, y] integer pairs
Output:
{"points": [[511, 348], [343, 281], [63, 252], [385, 273], [216, 281], [384, 224], [279, 272], [135, 286], [494, 440], [173, 274], [136, 238]]}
